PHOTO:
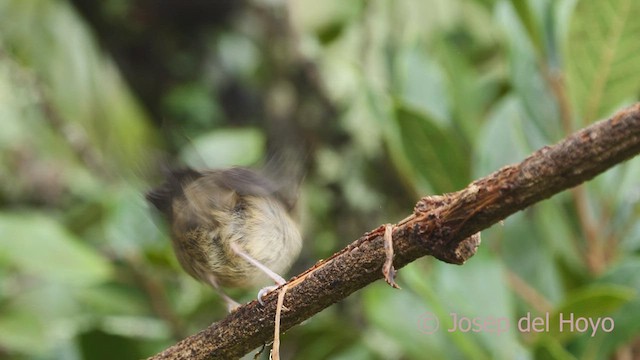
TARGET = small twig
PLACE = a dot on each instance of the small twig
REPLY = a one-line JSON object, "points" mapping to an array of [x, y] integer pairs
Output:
{"points": [[276, 333], [157, 296], [388, 271]]}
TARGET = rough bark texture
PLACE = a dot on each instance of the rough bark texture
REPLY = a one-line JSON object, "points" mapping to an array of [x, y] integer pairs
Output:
{"points": [[441, 226]]}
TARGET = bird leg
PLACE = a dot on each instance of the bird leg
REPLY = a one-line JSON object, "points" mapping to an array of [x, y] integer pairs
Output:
{"points": [[231, 304], [279, 280]]}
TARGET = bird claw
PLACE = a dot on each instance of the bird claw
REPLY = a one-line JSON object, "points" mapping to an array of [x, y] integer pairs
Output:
{"points": [[264, 291], [232, 305]]}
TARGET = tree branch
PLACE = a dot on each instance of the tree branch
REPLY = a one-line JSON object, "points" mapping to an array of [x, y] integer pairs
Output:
{"points": [[441, 226]]}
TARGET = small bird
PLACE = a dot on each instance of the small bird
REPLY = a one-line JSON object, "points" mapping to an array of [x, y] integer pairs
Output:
{"points": [[229, 228]]}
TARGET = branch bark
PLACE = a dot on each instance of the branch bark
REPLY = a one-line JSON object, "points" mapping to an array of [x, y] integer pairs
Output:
{"points": [[441, 226]]}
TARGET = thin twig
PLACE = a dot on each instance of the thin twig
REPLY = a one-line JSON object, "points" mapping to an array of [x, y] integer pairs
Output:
{"points": [[388, 271], [276, 333]]}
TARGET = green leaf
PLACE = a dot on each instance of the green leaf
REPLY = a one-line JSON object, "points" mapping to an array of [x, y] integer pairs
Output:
{"points": [[434, 153], [477, 291], [424, 85], [553, 224], [41, 247], [22, 331], [193, 104], [627, 318], [397, 314], [552, 350], [501, 140], [527, 19], [474, 291], [527, 81], [80, 87], [595, 302], [112, 299], [528, 257], [601, 57], [128, 227], [322, 17], [226, 147], [472, 84]]}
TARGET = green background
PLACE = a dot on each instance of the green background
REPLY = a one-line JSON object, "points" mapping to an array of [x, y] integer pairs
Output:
{"points": [[385, 101]]}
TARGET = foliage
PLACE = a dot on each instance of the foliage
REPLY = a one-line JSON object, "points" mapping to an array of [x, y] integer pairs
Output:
{"points": [[408, 98]]}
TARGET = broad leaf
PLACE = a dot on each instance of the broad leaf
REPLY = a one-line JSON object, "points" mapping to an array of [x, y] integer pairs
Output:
{"points": [[40, 247], [601, 57], [433, 151]]}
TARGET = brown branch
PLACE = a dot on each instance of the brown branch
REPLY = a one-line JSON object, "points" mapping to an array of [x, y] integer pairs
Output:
{"points": [[441, 226]]}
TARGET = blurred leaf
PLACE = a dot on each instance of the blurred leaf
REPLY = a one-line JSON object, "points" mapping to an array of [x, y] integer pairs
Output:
{"points": [[22, 332], [626, 273], [552, 350], [422, 19], [356, 352], [529, 84], [41, 247], [322, 344], [531, 258], [434, 152], [596, 301], [238, 54], [99, 345], [528, 22], [627, 318], [471, 92], [78, 86], [16, 95], [500, 141], [128, 139], [193, 105], [128, 225], [441, 292], [43, 311], [424, 86], [555, 229], [224, 148], [615, 197], [360, 120], [110, 299], [397, 315], [601, 57], [325, 19], [135, 326], [618, 187], [482, 279]]}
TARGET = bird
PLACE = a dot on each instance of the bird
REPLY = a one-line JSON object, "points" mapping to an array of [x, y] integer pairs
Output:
{"points": [[230, 228]]}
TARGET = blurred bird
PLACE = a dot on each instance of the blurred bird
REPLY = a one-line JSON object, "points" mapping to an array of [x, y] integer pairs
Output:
{"points": [[229, 228]]}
